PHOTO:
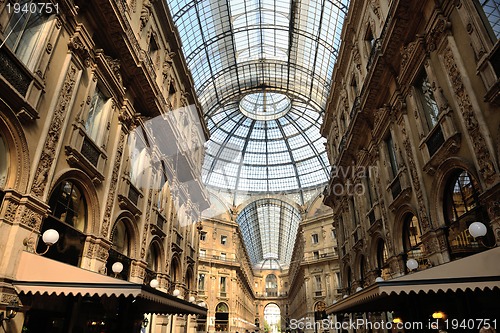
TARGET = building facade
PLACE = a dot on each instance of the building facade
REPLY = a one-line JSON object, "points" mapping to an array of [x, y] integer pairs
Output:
{"points": [[97, 117], [413, 135], [240, 295]]}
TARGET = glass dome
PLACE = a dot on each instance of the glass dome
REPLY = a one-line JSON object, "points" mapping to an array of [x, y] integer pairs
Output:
{"points": [[262, 72], [265, 105], [262, 156]]}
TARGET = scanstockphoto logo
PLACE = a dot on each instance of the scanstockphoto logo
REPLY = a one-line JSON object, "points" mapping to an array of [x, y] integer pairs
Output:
{"points": [[170, 148], [355, 179]]}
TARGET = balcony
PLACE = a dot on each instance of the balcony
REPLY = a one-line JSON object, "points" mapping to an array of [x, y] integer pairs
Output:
{"points": [[130, 201], [157, 223], [435, 141], [22, 88], [399, 188], [84, 154], [177, 241]]}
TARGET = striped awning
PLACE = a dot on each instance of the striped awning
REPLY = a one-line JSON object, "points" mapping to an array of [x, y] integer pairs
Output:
{"points": [[40, 276], [477, 272]]}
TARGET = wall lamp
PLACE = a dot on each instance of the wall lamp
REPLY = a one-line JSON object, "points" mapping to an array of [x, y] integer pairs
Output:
{"points": [[117, 268], [10, 312], [412, 264], [49, 237], [145, 322], [478, 230]]}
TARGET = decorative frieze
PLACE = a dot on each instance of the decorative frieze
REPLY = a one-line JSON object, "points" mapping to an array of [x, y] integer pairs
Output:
{"points": [[480, 148], [54, 133], [423, 217], [113, 185]]}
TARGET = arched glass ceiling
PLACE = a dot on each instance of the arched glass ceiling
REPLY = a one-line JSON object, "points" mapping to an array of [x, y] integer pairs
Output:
{"points": [[269, 228], [237, 49]]}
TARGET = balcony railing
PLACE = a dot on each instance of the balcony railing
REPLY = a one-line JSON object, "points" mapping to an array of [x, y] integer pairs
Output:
{"points": [[396, 187], [435, 141], [14, 72], [133, 194], [90, 152]]}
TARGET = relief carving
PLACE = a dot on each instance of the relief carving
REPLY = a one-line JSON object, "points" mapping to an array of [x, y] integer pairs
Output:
{"points": [[145, 13], [167, 67], [424, 220], [486, 166], [144, 238], [78, 47], [114, 64], [375, 7], [49, 149], [436, 34], [113, 186]]}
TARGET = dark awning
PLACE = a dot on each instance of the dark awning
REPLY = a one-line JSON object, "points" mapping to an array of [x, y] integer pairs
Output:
{"points": [[477, 272], [38, 275]]}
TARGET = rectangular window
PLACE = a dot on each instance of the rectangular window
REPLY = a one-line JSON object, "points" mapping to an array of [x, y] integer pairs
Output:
{"points": [[316, 254], [201, 282], [427, 100], [392, 155], [222, 286], [223, 240], [223, 256], [203, 235], [97, 118], [24, 32], [203, 253], [318, 283], [315, 238]]}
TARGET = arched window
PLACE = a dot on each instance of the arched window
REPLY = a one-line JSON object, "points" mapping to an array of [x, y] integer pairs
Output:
{"points": [[189, 279], [69, 217], [174, 273], [381, 254], [412, 244], [461, 208], [461, 196], [271, 285], [382, 257], [4, 162], [362, 270], [152, 257], [152, 260], [349, 280], [221, 317], [68, 205], [120, 238], [120, 250]]}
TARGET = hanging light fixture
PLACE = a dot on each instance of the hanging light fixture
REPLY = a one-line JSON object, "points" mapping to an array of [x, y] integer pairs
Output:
{"points": [[379, 279]]}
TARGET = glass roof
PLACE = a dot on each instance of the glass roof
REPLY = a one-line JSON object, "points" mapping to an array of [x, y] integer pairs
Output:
{"points": [[265, 105], [262, 72], [269, 228]]}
